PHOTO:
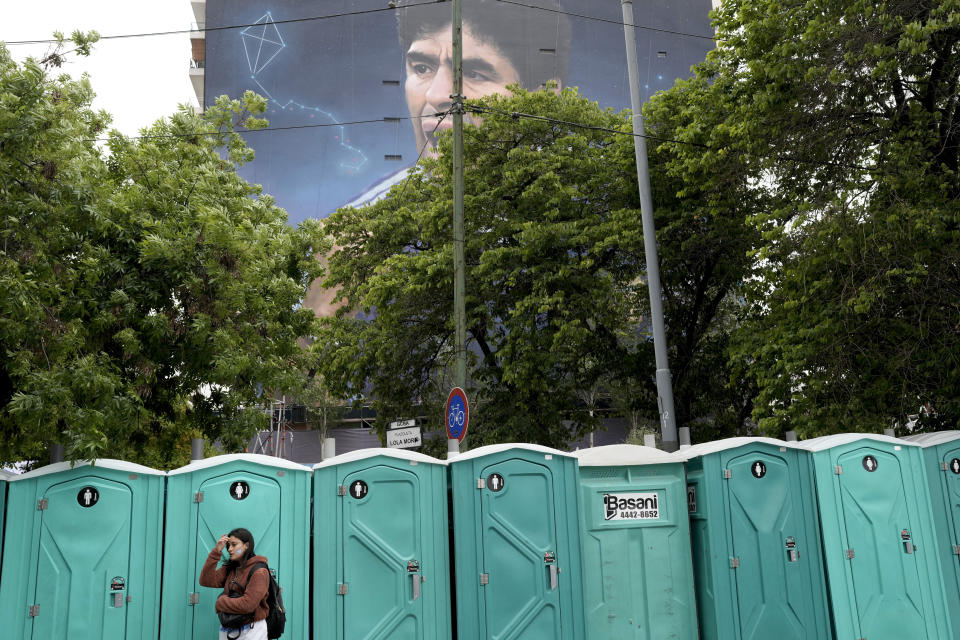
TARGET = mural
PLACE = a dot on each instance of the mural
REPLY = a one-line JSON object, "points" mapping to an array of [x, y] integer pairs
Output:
{"points": [[353, 85]]}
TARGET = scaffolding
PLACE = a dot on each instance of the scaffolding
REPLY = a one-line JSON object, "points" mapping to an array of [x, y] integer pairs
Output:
{"points": [[278, 440]]}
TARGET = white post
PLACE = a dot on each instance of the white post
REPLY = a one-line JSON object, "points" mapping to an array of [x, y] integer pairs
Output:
{"points": [[329, 448]]}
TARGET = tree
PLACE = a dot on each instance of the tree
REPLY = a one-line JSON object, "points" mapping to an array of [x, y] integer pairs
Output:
{"points": [[848, 114], [556, 298], [705, 198], [150, 294], [552, 270]]}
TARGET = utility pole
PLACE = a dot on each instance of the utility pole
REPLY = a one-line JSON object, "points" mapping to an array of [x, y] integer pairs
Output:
{"points": [[459, 266], [668, 424]]}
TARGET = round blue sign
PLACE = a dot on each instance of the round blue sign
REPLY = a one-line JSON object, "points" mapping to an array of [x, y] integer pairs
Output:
{"points": [[458, 414]]}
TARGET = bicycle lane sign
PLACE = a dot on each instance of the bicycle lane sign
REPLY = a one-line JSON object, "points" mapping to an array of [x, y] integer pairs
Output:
{"points": [[458, 414]]}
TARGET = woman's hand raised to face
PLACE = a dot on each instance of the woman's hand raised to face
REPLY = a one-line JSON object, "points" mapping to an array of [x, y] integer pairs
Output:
{"points": [[222, 542]]}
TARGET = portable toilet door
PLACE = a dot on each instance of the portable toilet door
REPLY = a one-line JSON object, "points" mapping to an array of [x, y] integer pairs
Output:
{"points": [[941, 453], [637, 568], [516, 543], [82, 552], [878, 537], [381, 551], [755, 540], [206, 499], [4, 476]]}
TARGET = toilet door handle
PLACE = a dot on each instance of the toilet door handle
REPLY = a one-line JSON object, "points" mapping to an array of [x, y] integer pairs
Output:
{"points": [[553, 577], [907, 540], [416, 585]]}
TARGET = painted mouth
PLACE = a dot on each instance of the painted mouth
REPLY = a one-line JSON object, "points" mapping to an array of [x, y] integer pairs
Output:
{"points": [[432, 126]]}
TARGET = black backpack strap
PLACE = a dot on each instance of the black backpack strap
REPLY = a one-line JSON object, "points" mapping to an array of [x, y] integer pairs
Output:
{"points": [[231, 580], [257, 566]]}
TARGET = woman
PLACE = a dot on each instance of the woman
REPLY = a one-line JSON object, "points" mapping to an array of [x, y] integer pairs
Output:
{"points": [[243, 592]]}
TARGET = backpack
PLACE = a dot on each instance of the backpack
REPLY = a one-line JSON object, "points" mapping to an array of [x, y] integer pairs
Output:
{"points": [[276, 616]]}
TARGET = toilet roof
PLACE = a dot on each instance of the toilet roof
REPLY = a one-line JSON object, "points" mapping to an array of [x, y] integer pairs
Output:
{"points": [[623, 455], [933, 439], [706, 448], [828, 442], [103, 463], [490, 449], [362, 454], [257, 458]]}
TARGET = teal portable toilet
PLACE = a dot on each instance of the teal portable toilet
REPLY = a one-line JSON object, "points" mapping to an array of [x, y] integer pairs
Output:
{"points": [[941, 466], [516, 530], [380, 547], [82, 551], [205, 500], [879, 543], [756, 541], [637, 569]]}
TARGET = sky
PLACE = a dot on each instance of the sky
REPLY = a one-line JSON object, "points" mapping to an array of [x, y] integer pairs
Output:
{"points": [[137, 80]]}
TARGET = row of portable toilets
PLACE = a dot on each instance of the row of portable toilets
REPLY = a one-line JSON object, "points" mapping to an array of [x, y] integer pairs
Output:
{"points": [[848, 537]]}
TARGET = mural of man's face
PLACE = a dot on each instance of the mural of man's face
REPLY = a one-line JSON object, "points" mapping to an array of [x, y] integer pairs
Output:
{"points": [[429, 79]]}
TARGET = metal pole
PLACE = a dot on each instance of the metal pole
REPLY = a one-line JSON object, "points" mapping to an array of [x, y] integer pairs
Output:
{"points": [[668, 425], [684, 438], [196, 449], [280, 427], [459, 266]]}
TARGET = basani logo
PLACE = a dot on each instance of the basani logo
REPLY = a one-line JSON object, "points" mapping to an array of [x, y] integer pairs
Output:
{"points": [[631, 506]]}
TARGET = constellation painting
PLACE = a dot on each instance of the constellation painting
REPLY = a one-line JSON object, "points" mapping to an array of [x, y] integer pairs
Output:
{"points": [[262, 43]]}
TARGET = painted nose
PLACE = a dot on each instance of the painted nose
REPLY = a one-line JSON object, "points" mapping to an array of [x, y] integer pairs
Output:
{"points": [[438, 93]]}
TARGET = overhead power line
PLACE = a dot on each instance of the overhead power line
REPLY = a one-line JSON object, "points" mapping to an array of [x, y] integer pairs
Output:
{"points": [[317, 125], [619, 23], [479, 109], [346, 14], [406, 180], [232, 26], [580, 125]]}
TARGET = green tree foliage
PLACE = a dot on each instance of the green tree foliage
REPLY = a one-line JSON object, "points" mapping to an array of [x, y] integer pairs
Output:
{"points": [[551, 274], [704, 199], [556, 299], [847, 114], [150, 295]]}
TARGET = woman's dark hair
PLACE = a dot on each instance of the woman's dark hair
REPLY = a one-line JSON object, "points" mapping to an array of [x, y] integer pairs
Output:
{"points": [[245, 537]]}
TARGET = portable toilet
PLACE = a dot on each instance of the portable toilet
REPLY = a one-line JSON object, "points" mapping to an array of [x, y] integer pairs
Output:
{"points": [[82, 552], [877, 529], [941, 453], [637, 569], [516, 529], [380, 547], [4, 477], [208, 498], [756, 541]]}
